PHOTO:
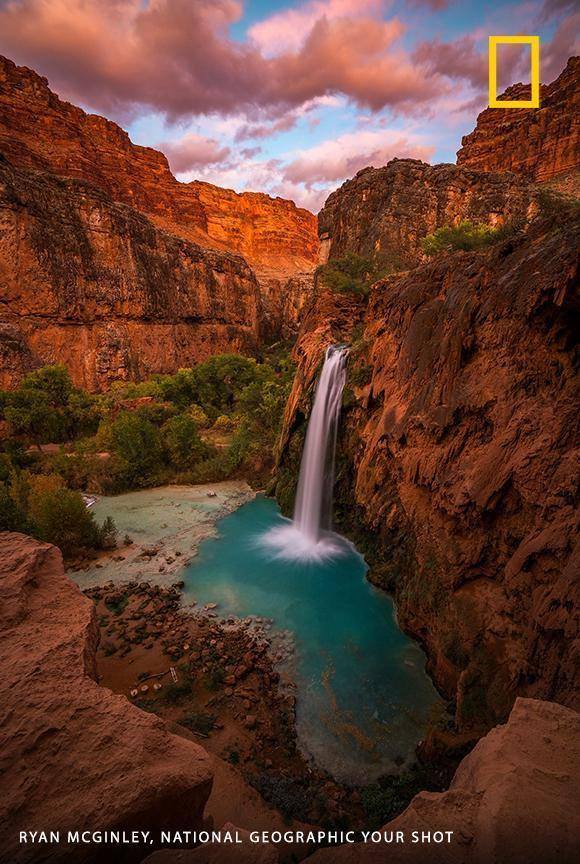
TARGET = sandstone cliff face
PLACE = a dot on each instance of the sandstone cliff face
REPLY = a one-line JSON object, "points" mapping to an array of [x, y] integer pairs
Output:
{"points": [[74, 755], [390, 210], [514, 798], [458, 455], [96, 285], [39, 131], [540, 143]]}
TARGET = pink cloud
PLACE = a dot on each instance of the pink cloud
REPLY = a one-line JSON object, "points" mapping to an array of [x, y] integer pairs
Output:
{"points": [[287, 30], [342, 157], [176, 57], [193, 152]]}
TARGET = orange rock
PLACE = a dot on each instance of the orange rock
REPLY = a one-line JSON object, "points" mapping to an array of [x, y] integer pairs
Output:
{"points": [[74, 755]]}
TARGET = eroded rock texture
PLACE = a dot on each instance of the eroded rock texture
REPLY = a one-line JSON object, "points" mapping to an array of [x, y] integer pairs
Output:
{"points": [[73, 755], [98, 286], [542, 144], [459, 456], [388, 211], [514, 798], [39, 131]]}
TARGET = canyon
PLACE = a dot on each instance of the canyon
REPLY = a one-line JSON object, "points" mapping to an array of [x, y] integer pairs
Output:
{"points": [[458, 450], [113, 267], [457, 453]]}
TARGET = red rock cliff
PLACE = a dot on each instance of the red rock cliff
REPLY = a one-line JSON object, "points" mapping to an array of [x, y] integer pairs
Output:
{"points": [[38, 130], [74, 755], [543, 144], [459, 452], [390, 210], [514, 798], [96, 285]]}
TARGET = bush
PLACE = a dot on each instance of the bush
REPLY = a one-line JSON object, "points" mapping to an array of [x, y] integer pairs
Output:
{"points": [[223, 423], [199, 721], [183, 444], [12, 518], [199, 416], [175, 693], [354, 274], [48, 408], [137, 446], [59, 515], [468, 236]]}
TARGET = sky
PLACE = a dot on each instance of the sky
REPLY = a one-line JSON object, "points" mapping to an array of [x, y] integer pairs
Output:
{"points": [[285, 97]]}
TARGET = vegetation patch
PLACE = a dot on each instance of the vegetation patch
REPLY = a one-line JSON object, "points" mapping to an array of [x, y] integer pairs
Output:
{"points": [[468, 236], [355, 274]]}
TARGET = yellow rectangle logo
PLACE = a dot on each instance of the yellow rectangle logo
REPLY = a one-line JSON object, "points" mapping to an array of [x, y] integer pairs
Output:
{"points": [[534, 43]]}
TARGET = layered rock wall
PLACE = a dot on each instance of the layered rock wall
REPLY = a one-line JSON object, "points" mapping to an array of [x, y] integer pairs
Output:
{"points": [[542, 144], [388, 211], [73, 755], [98, 286], [39, 131]]}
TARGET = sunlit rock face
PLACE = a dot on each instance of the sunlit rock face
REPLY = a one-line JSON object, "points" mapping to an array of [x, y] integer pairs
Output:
{"points": [[74, 755], [389, 211], [542, 144], [457, 458], [253, 255], [100, 287]]}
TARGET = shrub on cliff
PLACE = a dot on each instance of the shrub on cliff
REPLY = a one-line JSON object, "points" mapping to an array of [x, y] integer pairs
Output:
{"points": [[58, 515], [467, 236], [354, 274]]}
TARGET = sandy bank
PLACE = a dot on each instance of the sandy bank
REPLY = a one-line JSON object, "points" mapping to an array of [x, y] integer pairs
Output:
{"points": [[166, 526]]}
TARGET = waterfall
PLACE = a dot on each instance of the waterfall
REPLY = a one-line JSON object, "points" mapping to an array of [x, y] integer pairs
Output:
{"points": [[313, 510], [309, 536]]}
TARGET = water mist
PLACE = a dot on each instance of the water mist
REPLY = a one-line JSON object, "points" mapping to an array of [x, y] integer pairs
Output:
{"points": [[309, 536]]}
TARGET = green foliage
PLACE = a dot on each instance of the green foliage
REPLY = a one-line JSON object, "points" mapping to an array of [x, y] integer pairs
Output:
{"points": [[12, 518], [181, 438], [48, 408], [59, 515], [354, 274], [136, 443], [467, 236], [199, 416], [390, 795]]}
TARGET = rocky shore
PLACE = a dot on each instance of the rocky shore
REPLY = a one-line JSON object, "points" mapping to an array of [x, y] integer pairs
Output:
{"points": [[219, 678]]}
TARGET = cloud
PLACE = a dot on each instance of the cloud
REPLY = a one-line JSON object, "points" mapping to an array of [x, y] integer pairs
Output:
{"points": [[176, 57], [563, 45], [342, 157], [287, 30], [193, 152]]}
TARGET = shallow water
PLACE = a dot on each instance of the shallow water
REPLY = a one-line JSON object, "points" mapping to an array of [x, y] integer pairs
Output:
{"points": [[363, 698]]}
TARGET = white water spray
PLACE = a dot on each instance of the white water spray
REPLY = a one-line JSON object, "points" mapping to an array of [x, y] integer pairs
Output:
{"points": [[309, 535]]}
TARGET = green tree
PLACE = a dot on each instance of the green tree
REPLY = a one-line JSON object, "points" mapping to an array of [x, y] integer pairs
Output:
{"points": [[48, 408], [60, 516], [466, 236], [184, 446], [136, 444], [355, 274]]}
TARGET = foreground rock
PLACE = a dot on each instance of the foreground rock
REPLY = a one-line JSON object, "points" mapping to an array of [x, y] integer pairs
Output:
{"points": [[459, 451], [74, 755], [515, 798], [542, 144]]}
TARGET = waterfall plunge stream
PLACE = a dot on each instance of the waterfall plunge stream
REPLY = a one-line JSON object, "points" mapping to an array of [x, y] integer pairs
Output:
{"points": [[309, 536]]}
